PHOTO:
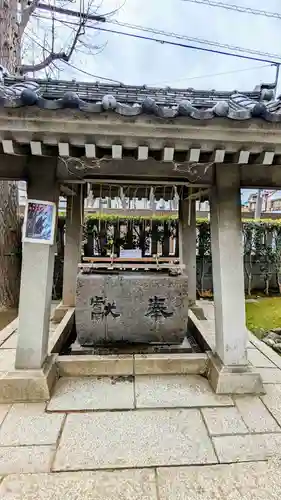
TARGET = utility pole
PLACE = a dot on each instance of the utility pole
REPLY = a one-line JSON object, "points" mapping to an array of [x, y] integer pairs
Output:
{"points": [[258, 207], [69, 12]]}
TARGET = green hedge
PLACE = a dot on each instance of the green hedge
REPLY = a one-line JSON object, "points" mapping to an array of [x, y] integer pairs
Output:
{"points": [[261, 238]]}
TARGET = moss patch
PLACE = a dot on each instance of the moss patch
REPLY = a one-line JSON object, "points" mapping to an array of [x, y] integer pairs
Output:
{"points": [[263, 315]]}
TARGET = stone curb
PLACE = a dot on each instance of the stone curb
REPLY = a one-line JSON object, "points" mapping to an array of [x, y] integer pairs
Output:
{"points": [[146, 364]]}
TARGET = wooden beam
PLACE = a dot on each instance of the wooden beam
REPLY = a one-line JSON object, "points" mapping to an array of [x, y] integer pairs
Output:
{"points": [[68, 190], [90, 150], [36, 148], [63, 148], [109, 129], [13, 167], [243, 157], [117, 152], [142, 153], [218, 156], [125, 265], [168, 154], [131, 259], [8, 147], [193, 155], [198, 194], [260, 176], [267, 157]]}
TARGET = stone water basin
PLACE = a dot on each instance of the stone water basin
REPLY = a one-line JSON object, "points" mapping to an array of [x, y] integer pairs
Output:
{"points": [[133, 307]]}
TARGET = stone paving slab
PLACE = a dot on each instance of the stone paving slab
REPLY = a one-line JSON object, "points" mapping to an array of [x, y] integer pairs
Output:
{"points": [[251, 481], [7, 360], [224, 421], [208, 308], [8, 330], [92, 393], [177, 391], [270, 375], [272, 400], [3, 411], [266, 350], [101, 485], [11, 342], [133, 439], [19, 459], [28, 424], [257, 359], [247, 448], [255, 414]]}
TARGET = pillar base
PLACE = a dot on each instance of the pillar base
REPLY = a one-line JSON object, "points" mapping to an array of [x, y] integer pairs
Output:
{"points": [[59, 312], [29, 385], [233, 379]]}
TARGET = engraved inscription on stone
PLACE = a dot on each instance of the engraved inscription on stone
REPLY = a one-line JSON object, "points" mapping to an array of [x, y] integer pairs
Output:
{"points": [[157, 308], [131, 307], [101, 308]]}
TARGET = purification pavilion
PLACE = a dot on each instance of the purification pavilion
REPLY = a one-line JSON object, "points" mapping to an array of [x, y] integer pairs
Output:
{"points": [[61, 136]]}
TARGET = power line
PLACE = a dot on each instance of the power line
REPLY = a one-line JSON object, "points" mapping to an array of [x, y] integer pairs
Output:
{"points": [[192, 39], [237, 8], [182, 45], [186, 46], [188, 78], [90, 74], [198, 77], [156, 31], [72, 65]]}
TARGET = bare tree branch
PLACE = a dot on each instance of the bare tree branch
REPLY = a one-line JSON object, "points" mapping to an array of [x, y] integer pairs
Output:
{"points": [[28, 68], [79, 32], [53, 32], [53, 56], [111, 13], [49, 55]]}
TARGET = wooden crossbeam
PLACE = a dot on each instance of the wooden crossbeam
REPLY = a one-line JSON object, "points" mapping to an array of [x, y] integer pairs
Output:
{"points": [[131, 259], [90, 150], [119, 265]]}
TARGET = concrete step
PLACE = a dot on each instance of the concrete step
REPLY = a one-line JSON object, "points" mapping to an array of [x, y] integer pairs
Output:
{"points": [[132, 364]]}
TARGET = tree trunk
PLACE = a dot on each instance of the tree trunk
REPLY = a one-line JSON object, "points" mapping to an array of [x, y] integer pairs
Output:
{"points": [[248, 273], [266, 291], [10, 50], [250, 284], [9, 204], [9, 245], [279, 281]]}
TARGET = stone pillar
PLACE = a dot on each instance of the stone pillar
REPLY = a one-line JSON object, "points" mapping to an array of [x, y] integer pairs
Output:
{"points": [[36, 275], [232, 371], [72, 249], [187, 244], [228, 272]]}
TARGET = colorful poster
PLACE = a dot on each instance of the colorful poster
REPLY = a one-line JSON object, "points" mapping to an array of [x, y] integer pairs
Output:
{"points": [[39, 222]]}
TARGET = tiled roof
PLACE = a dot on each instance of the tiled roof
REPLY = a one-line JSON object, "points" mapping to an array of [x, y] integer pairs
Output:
{"points": [[133, 101]]}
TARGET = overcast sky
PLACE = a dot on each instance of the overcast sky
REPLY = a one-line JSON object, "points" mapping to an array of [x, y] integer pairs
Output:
{"points": [[139, 62], [145, 62]]}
